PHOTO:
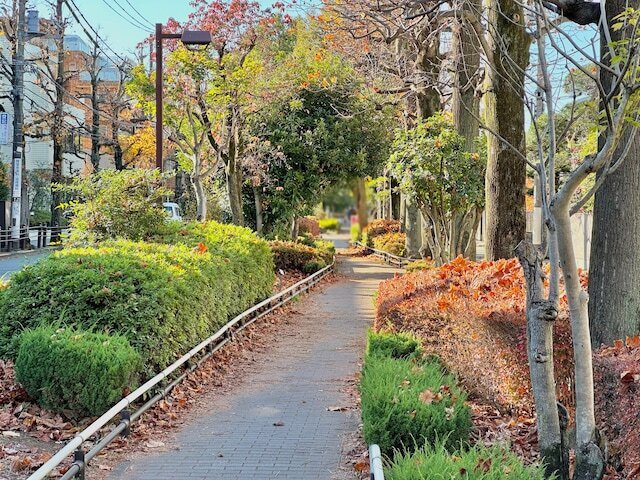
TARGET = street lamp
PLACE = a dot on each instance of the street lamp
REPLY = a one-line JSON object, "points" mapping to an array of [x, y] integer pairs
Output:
{"points": [[193, 40]]}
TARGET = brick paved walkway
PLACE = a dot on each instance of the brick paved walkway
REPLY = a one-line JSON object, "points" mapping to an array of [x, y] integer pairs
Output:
{"points": [[293, 386]]}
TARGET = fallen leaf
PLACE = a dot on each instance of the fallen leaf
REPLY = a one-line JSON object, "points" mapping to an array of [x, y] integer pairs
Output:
{"points": [[627, 377], [9, 433], [427, 397], [154, 444], [361, 466], [338, 409]]}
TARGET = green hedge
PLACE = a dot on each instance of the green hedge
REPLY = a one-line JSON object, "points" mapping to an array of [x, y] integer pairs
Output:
{"points": [[76, 370], [304, 258], [329, 224], [478, 463], [409, 401], [164, 298], [393, 243]]}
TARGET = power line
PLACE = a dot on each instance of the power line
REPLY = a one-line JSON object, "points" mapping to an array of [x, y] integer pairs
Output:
{"points": [[141, 16], [77, 14], [133, 21]]}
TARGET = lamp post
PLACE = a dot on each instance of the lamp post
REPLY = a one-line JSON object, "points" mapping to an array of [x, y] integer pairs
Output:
{"points": [[196, 39]]}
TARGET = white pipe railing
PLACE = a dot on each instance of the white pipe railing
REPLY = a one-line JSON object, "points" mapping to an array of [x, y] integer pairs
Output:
{"points": [[386, 256], [375, 463], [279, 299]]}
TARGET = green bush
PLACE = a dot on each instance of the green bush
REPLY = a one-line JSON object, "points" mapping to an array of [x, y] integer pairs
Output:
{"points": [[325, 249], [394, 345], [163, 298], [329, 224], [478, 463], [297, 256], [409, 402], [393, 243], [76, 370], [116, 204]]}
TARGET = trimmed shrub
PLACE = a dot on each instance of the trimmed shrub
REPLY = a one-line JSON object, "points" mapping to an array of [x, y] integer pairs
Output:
{"points": [[330, 225], [419, 265], [409, 402], [309, 225], [163, 298], [478, 463], [393, 345], [377, 228], [297, 256], [325, 249], [63, 368], [393, 243]]}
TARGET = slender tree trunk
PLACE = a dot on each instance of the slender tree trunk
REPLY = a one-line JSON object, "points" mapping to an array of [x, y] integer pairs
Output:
{"points": [[257, 195], [198, 189], [541, 314], [504, 115], [201, 199], [233, 169], [614, 272], [57, 130], [589, 457]]}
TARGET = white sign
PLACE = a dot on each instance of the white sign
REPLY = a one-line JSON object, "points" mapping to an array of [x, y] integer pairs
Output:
{"points": [[17, 177], [4, 128]]}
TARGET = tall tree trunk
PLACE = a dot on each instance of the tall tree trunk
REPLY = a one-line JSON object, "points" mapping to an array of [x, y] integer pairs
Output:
{"points": [[465, 104], [412, 229], [540, 317], [614, 276], [504, 115], [361, 203]]}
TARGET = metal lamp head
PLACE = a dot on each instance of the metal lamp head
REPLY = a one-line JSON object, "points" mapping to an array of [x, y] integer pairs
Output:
{"points": [[196, 40]]}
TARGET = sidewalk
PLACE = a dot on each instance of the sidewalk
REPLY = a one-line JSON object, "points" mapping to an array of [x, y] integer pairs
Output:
{"points": [[276, 423]]}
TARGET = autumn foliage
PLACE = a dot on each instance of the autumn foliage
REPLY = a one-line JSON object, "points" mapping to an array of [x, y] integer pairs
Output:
{"points": [[472, 316]]}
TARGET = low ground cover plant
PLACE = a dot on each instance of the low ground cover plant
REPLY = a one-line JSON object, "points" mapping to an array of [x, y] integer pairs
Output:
{"points": [[418, 265], [409, 400], [73, 369], [329, 224], [393, 243], [477, 463]]}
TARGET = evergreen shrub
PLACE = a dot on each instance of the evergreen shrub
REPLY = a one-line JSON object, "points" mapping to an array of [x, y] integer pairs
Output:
{"points": [[72, 369]]}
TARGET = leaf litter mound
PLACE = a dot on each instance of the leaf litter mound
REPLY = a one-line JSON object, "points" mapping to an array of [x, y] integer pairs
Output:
{"points": [[471, 314]]}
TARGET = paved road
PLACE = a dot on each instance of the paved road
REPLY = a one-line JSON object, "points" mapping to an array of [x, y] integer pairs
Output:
{"points": [[12, 263], [275, 424]]}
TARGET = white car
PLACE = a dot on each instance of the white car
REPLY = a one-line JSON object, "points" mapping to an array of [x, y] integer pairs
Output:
{"points": [[173, 211]]}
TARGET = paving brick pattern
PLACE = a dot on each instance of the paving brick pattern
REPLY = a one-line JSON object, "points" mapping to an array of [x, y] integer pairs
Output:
{"points": [[275, 424]]}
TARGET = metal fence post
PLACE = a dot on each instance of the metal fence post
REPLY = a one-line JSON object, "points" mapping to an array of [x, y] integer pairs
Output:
{"points": [[78, 457], [125, 416]]}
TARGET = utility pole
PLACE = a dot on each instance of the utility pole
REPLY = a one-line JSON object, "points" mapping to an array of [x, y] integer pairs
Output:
{"points": [[18, 167]]}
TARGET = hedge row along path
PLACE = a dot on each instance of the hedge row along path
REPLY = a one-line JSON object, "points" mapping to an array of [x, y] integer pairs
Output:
{"points": [[286, 418]]}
